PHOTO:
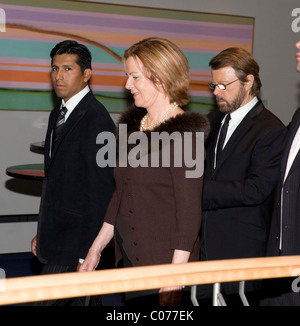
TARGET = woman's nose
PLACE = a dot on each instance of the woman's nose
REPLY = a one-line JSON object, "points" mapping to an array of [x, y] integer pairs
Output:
{"points": [[128, 84]]}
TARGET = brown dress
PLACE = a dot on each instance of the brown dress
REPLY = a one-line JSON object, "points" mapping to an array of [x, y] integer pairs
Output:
{"points": [[156, 210]]}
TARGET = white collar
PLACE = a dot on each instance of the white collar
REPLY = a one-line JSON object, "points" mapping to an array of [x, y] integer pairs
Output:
{"points": [[241, 112], [74, 100]]}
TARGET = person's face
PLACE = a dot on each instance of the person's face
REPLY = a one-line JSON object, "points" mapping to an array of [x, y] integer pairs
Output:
{"points": [[234, 96], [66, 76], [144, 92], [298, 56]]}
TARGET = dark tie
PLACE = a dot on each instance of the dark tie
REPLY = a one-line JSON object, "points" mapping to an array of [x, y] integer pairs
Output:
{"points": [[59, 125], [222, 136]]}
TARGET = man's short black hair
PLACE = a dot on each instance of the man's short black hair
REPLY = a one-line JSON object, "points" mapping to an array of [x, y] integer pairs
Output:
{"points": [[84, 57]]}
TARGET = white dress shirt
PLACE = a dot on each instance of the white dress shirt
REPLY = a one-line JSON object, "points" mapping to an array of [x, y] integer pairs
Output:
{"points": [[74, 100], [292, 154], [71, 104]]}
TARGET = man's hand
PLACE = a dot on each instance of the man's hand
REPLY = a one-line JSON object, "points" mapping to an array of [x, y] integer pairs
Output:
{"points": [[33, 246]]}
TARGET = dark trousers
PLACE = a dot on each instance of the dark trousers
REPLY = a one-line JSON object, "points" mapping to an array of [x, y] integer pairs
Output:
{"points": [[229, 290], [82, 301]]}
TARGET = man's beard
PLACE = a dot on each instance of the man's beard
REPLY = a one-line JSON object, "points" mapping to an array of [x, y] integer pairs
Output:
{"points": [[235, 104]]}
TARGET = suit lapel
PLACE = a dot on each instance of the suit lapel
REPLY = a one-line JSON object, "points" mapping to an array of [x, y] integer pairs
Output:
{"points": [[286, 152], [52, 119], [292, 132], [238, 133], [74, 118], [295, 163], [213, 137]]}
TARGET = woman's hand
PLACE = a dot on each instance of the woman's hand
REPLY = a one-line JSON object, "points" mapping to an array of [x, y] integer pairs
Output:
{"points": [[92, 258], [91, 261], [170, 296]]}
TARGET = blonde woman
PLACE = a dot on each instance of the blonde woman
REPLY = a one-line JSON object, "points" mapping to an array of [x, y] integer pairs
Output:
{"points": [[155, 212]]}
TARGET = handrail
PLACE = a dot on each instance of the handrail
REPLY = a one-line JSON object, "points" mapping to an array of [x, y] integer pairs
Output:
{"points": [[45, 287]]}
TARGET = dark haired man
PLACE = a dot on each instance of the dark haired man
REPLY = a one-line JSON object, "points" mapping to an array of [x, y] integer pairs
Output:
{"points": [[241, 173], [76, 191]]}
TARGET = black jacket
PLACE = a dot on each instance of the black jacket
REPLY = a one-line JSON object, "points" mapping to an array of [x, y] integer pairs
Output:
{"points": [[76, 191], [238, 195], [289, 231]]}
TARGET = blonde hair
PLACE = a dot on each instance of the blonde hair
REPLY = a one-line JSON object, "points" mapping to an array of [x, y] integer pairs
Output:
{"points": [[165, 65]]}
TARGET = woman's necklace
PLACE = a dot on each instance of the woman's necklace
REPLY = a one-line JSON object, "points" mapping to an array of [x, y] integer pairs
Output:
{"points": [[142, 125]]}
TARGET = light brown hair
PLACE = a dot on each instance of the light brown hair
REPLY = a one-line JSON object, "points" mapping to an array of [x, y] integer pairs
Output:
{"points": [[242, 62], [165, 65]]}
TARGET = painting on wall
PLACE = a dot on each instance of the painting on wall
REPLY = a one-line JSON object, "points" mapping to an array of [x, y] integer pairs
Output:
{"points": [[33, 27]]}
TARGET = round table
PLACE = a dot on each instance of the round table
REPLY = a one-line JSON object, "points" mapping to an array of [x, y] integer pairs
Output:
{"points": [[27, 171], [38, 147]]}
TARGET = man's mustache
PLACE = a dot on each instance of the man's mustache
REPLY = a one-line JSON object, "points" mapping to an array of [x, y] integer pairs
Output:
{"points": [[220, 99]]}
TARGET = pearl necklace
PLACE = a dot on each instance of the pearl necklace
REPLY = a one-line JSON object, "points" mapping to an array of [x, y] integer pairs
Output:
{"points": [[142, 127]]}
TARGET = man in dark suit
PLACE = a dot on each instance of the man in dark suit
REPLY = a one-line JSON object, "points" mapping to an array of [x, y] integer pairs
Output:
{"points": [[76, 191], [285, 228], [240, 179]]}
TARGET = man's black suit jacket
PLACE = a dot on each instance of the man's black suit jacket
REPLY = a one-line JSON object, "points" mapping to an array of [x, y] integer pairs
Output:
{"points": [[76, 191], [238, 193], [289, 230]]}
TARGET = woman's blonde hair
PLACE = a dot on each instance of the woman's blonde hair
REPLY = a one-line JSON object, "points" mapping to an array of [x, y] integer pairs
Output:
{"points": [[165, 65]]}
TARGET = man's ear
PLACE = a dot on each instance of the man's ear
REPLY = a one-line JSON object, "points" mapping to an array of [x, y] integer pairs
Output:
{"points": [[249, 83], [87, 75]]}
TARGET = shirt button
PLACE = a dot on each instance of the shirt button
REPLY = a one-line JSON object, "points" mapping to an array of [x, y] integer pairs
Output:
{"points": [[135, 243], [130, 211]]}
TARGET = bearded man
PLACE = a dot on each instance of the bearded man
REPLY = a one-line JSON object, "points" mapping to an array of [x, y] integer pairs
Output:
{"points": [[242, 168]]}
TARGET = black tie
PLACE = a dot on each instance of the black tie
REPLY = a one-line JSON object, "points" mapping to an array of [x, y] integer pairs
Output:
{"points": [[222, 136], [59, 125]]}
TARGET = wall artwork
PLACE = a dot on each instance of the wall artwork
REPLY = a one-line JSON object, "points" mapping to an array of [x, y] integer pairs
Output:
{"points": [[33, 27]]}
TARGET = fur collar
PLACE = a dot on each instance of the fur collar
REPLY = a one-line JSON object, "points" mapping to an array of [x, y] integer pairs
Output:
{"points": [[186, 122]]}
